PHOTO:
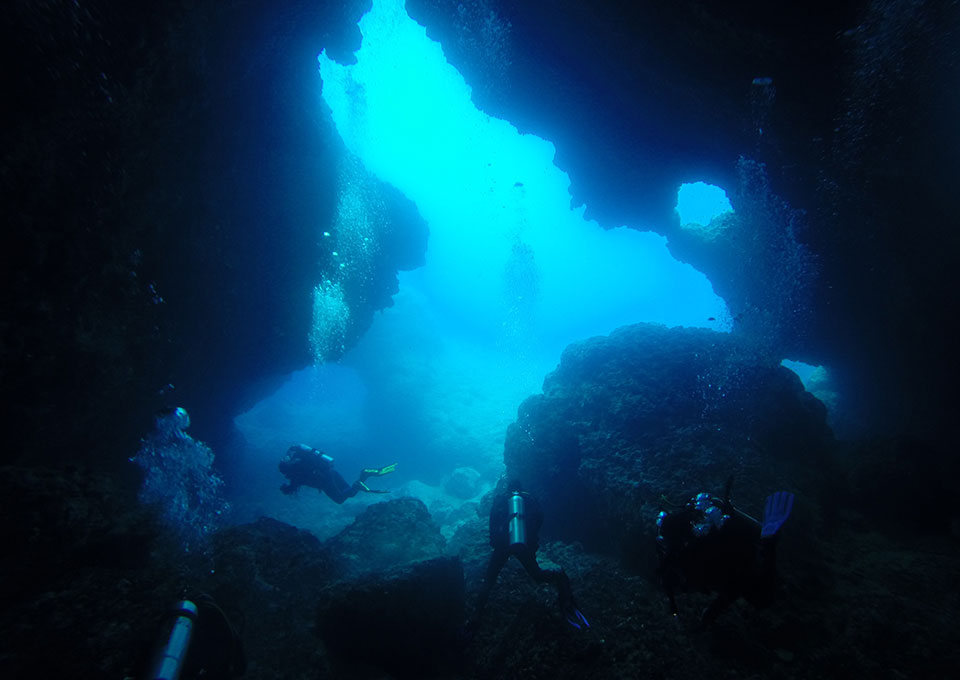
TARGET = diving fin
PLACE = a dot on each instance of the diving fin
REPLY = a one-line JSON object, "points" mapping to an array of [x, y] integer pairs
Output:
{"points": [[367, 473], [576, 619], [364, 487], [776, 513], [568, 607]]}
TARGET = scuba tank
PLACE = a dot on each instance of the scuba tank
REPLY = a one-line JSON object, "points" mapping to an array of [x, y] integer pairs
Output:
{"points": [[200, 642], [169, 660], [517, 528]]}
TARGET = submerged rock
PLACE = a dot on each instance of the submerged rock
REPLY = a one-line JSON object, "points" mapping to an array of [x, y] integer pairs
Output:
{"points": [[648, 412], [386, 535], [403, 622], [269, 576], [464, 483], [376, 593]]}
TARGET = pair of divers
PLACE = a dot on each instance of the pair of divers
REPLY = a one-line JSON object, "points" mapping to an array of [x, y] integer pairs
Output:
{"points": [[515, 521], [707, 546], [710, 546], [306, 466]]}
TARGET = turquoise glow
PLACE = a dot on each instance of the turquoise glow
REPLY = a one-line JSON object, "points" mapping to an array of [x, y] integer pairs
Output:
{"points": [[699, 203], [505, 248], [803, 371]]}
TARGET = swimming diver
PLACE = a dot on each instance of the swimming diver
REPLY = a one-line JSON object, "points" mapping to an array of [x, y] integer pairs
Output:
{"points": [[710, 546], [515, 521], [306, 466]]}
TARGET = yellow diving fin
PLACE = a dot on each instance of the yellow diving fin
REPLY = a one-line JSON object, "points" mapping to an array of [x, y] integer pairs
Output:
{"points": [[367, 473], [364, 487]]}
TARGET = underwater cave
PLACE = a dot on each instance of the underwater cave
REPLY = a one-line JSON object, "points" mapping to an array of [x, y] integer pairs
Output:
{"points": [[301, 295]]}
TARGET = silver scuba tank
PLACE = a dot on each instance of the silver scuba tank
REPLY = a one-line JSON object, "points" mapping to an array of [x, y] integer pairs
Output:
{"points": [[170, 659], [518, 520]]}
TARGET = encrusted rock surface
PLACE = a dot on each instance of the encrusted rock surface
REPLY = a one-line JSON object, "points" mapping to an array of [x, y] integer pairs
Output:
{"points": [[650, 411]]}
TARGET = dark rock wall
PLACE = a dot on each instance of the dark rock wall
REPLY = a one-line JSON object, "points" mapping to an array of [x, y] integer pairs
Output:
{"points": [[640, 97], [760, 265], [167, 172], [887, 222]]}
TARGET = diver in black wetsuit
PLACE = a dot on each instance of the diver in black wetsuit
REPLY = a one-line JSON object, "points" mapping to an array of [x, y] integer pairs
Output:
{"points": [[305, 466], [515, 521], [709, 546]]}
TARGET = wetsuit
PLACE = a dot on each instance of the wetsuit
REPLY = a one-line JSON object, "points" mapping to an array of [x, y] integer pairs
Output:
{"points": [[731, 560], [304, 466], [527, 553]]}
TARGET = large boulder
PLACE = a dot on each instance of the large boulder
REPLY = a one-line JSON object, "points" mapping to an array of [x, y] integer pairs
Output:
{"points": [[378, 585], [403, 622], [386, 535], [650, 413], [270, 575]]}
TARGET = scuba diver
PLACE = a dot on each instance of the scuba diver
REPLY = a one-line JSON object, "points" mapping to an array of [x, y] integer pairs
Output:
{"points": [[515, 521], [710, 546], [198, 642], [304, 466]]}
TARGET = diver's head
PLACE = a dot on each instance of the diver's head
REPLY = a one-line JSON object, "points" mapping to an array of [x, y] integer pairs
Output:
{"points": [[514, 485], [294, 458], [303, 460]]}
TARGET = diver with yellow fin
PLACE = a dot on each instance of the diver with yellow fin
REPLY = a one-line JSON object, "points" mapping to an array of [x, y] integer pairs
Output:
{"points": [[306, 466]]}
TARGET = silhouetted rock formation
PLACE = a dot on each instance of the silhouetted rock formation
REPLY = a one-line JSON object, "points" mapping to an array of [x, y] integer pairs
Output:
{"points": [[648, 411], [403, 621]]}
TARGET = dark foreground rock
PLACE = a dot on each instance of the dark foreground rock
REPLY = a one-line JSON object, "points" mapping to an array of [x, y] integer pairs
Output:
{"points": [[62, 522], [268, 575], [77, 571], [877, 604], [872, 607], [403, 622]]}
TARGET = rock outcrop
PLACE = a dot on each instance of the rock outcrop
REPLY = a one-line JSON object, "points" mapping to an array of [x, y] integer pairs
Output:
{"points": [[650, 412]]}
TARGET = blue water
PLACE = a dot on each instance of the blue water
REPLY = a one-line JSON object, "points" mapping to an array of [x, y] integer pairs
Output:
{"points": [[699, 203]]}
